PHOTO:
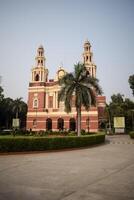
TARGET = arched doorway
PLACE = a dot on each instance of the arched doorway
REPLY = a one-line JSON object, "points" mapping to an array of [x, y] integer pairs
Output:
{"points": [[72, 124], [48, 124], [60, 124]]}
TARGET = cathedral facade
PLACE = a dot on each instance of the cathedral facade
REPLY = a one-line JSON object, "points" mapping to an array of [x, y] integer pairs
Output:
{"points": [[44, 110]]}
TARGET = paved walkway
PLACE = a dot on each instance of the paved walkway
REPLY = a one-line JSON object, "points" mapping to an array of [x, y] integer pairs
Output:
{"points": [[105, 172]]}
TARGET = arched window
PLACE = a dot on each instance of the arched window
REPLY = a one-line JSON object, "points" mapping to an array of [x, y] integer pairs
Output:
{"points": [[35, 103], [49, 124], [34, 122], [37, 77], [60, 124], [72, 124]]}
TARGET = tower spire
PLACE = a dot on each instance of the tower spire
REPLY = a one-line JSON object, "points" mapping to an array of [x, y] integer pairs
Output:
{"points": [[39, 71], [40, 58], [87, 59]]}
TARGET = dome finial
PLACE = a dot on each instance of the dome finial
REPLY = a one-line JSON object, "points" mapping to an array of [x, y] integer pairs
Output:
{"points": [[40, 46], [87, 43]]}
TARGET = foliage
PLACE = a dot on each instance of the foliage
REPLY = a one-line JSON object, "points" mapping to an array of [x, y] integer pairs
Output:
{"points": [[1, 94], [86, 133], [17, 106], [120, 107], [131, 83], [42, 133], [10, 109], [78, 88], [131, 134], [18, 144]]}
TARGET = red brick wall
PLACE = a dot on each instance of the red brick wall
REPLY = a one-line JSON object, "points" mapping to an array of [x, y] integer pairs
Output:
{"points": [[41, 101], [41, 122]]}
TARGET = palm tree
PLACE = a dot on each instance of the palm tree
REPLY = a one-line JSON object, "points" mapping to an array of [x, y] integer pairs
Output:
{"points": [[17, 107], [83, 87]]}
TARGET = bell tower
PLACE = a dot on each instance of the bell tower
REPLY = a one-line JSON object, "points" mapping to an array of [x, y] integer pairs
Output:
{"points": [[88, 59], [37, 90], [39, 72]]}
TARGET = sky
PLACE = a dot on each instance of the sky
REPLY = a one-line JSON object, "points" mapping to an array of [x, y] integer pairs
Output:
{"points": [[62, 26]]}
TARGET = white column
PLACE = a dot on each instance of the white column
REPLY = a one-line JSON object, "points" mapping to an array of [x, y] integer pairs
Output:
{"points": [[46, 100], [54, 99], [32, 76], [43, 75]]}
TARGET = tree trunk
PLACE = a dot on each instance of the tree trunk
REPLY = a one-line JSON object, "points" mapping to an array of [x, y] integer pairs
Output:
{"points": [[78, 121], [110, 127], [17, 113]]}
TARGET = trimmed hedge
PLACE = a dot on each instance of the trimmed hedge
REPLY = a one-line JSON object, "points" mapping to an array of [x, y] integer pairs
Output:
{"points": [[20, 144], [131, 134]]}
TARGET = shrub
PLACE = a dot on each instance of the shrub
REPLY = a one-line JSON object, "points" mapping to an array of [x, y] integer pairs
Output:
{"points": [[72, 133], [14, 144], [83, 132], [87, 133], [5, 132], [131, 134]]}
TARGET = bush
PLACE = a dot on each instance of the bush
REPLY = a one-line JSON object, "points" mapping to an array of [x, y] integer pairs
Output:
{"points": [[72, 133], [131, 134], [25, 143], [5, 132], [87, 133]]}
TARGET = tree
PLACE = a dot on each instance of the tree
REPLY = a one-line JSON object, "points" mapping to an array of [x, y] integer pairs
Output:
{"points": [[83, 87], [9, 109], [116, 105], [1, 94], [22, 114], [117, 99], [108, 116], [17, 107], [131, 83], [1, 105], [121, 107], [7, 112]]}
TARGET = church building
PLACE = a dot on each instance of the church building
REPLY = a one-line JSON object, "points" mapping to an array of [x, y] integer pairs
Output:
{"points": [[44, 110]]}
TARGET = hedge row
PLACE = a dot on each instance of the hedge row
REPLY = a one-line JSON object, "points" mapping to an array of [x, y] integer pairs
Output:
{"points": [[44, 133], [19, 144], [131, 134]]}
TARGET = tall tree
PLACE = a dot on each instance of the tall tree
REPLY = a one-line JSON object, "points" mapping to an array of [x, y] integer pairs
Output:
{"points": [[7, 112], [1, 105], [1, 94], [81, 85], [131, 83], [17, 107], [9, 109], [121, 107]]}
